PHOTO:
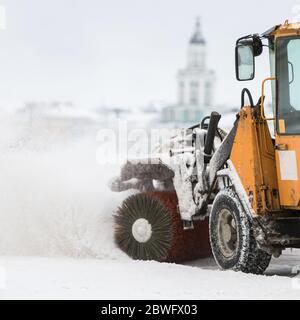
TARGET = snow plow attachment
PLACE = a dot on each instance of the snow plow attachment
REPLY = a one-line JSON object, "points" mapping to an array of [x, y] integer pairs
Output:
{"points": [[148, 227]]}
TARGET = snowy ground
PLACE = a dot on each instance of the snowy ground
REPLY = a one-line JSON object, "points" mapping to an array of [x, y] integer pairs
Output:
{"points": [[56, 238], [69, 278]]}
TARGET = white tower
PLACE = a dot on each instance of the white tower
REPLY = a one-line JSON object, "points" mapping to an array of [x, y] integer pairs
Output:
{"points": [[196, 50], [195, 84]]}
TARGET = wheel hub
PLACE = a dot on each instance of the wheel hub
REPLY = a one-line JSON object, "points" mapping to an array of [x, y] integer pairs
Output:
{"points": [[227, 233], [142, 230]]}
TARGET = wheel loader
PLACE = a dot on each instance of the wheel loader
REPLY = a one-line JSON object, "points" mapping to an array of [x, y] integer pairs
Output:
{"points": [[236, 194]]}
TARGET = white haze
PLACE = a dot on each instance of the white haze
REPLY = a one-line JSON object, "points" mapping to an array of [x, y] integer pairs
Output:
{"points": [[54, 198]]}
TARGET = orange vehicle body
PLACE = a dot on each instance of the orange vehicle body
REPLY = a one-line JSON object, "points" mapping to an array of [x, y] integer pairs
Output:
{"points": [[264, 172]]}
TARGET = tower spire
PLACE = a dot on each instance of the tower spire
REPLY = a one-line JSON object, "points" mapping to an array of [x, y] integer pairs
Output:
{"points": [[198, 25], [197, 37]]}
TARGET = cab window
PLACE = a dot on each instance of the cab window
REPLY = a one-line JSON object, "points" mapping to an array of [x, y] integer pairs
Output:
{"points": [[288, 76]]}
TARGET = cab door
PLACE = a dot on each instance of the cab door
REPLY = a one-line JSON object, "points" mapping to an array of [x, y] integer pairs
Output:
{"points": [[287, 141]]}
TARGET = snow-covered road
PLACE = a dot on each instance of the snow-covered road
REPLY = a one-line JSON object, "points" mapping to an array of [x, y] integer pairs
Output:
{"points": [[69, 278]]}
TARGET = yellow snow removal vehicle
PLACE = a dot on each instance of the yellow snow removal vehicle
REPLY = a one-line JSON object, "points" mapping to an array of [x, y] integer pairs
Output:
{"points": [[235, 195]]}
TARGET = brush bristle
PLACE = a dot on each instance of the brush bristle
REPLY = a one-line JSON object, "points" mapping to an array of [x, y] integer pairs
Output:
{"points": [[168, 242]]}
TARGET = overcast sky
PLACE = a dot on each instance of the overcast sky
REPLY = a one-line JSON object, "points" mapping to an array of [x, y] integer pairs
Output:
{"points": [[123, 52]]}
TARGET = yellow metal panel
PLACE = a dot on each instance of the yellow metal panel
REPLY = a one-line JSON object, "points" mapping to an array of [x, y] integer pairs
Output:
{"points": [[287, 29], [289, 185], [253, 156], [281, 125]]}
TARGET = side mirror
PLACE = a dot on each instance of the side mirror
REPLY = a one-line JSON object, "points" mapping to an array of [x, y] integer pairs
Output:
{"points": [[244, 61], [247, 48]]}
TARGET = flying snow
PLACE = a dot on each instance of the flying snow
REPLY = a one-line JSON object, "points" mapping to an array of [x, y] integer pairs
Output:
{"points": [[54, 198]]}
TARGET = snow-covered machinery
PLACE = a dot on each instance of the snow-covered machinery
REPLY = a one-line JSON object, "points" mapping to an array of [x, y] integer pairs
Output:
{"points": [[234, 194]]}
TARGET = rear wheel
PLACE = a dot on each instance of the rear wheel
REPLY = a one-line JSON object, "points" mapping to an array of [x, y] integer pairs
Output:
{"points": [[231, 236], [148, 227]]}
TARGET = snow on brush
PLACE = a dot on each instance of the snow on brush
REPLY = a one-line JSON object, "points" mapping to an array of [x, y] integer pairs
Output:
{"points": [[56, 234]]}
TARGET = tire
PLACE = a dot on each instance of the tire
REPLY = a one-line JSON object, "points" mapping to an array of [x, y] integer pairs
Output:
{"points": [[231, 236], [148, 227]]}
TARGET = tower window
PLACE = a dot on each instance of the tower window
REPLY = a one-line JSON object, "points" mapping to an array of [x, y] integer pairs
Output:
{"points": [[181, 92], [194, 93], [208, 94]]}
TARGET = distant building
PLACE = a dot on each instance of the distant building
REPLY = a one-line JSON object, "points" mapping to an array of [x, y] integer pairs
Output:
{"points": [[47, 120], [195, 84]]}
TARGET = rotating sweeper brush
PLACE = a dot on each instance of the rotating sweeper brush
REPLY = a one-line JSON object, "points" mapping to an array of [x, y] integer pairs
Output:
{"points": [[149, 227]]}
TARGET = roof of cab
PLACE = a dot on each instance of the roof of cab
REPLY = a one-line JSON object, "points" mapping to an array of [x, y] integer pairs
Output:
{"points": [[286, 27]]}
